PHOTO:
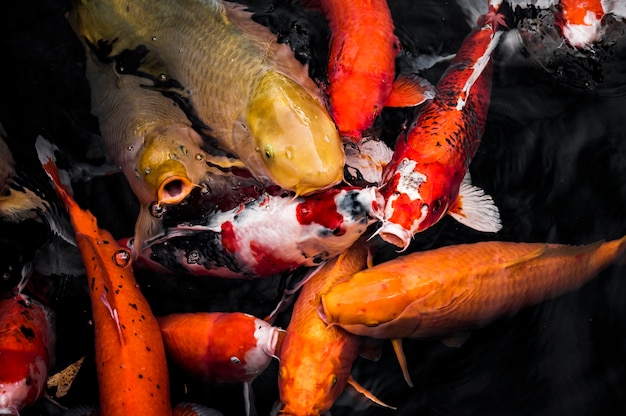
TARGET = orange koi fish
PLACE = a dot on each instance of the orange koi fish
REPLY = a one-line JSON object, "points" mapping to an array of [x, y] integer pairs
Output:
{"points": [[315, 360], [361, 67], [449, 289], [220, 347], [130, 356], [428, 174], [27, 340]]}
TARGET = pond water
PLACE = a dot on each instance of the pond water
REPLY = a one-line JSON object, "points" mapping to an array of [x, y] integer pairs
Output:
{"points": [[553, 157]]}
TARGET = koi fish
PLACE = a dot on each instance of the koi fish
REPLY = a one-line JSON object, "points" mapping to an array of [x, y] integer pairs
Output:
{"points": [[27, 341], [245, 241], [315, 360], [244, 88], [217, 347], [152, 141], [361, 68], [450, 289], [428, 174], [130, 356], [581, 21]]}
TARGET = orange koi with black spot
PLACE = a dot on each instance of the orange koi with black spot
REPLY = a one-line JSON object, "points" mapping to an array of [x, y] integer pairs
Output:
{"points": [[130, 356]]}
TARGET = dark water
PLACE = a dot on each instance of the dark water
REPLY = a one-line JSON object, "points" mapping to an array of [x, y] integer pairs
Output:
{"points": [[553, 157]]}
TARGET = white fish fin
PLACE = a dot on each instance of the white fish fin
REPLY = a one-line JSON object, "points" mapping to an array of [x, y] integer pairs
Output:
{"points": [[366, 393], [193, 409], [475, 209], [397, 347], [248, 397]]}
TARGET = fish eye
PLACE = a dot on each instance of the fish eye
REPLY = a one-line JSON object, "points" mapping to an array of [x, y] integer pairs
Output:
{"points": [[235, 360], [333, 380], [436, 206], [268, 152]]}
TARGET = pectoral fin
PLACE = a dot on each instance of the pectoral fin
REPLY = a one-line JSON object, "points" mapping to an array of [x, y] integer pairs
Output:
{"points": [[475, 209], [410, 91], [366, 393], [397, 347]]}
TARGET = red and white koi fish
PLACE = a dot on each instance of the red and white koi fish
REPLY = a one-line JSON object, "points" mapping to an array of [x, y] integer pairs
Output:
{"points": [[315, 360], [581, 21], [428, 174], [361, 67], [27, 341], [217, 347], [440, 292], [270, 235], [130, 357]]}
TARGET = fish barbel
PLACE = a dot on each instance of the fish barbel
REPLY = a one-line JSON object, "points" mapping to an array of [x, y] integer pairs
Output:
{"points": [[27, 340], [130, 357], [250, 92], [449, 289]]}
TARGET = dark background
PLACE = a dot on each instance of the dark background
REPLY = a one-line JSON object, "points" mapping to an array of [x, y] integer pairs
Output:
{"points": [[553, 157]]}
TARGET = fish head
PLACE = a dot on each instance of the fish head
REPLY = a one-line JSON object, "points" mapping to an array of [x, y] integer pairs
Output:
{"points": [[296, 143], [309, 385], [246, 349], [170, 164], [419, 195]]}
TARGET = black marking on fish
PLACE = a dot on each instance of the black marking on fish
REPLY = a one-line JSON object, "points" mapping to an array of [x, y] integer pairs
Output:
{"points": [[351, 204], [27, 332]]}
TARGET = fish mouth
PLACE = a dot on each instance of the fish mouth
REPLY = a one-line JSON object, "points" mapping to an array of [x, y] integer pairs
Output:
{"points": [[174, 189], [395, 234]]}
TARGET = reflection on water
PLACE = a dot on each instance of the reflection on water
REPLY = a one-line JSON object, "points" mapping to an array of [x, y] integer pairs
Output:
{"points": [[553, 157]]}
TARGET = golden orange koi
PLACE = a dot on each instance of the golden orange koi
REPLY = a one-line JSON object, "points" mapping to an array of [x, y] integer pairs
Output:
{"points": [[315, 360], [453, 288]]}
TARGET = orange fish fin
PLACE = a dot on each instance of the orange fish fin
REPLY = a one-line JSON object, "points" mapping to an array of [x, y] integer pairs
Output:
{"points": [[410, 90], [397, 347], [366, 393], [475, 209], [547, 251]]}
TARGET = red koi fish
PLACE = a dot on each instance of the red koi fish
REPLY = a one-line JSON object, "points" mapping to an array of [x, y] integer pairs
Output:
{"points": [[245, 241], [27, 340], [130, 356], [581, 20], [361, 68], [315, 360], [425, 178], [218, 347], [450, 289]]}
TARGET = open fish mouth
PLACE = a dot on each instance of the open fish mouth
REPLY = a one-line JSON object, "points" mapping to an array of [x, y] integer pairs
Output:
{"points": [[174, 189]]}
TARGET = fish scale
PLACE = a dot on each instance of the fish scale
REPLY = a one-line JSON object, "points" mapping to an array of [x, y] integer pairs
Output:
{"points": [[453, 288], [256, 98]]}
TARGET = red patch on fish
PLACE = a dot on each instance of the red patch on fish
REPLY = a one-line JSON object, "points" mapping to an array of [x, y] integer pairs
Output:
{"points": [[321, 211], [267, 263], [229, 238]]}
